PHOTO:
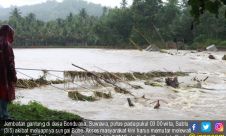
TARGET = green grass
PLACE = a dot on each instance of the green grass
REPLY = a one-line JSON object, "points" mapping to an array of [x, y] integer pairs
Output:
{"points": [[35, 111], [202, 43]]}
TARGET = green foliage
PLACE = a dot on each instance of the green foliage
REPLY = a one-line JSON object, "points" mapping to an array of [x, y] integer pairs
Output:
{"points": [[144, 22], [211, 41], [115, 27], [202, 43], [201, 38], [171, 14], [200, 6], [222, 43], [35, 111], [145, 16]]}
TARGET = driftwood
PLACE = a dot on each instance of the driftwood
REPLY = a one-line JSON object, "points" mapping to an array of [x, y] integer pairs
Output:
{"points": [[157, 105], [211, 57], [200, 80], [205, 78], [172, 82], [130, 102]]}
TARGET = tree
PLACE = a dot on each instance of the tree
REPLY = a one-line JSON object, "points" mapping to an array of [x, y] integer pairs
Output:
{"points": [[146, 21], [115, 28], [83, 13], [145, 16], [70, 17], [170, 13], [124, 4], [105, 11], [17, 22], [200, 6], [16, 13]]}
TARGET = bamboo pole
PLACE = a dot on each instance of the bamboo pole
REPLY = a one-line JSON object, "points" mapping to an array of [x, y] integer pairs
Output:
{"points": [[50, 74], [134, 44], [109, 82], [32, 69], [114, 75], [136, 30], [38, 84]]}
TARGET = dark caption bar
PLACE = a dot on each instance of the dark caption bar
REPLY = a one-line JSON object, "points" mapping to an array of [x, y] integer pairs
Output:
{"points": [[114, 128]]}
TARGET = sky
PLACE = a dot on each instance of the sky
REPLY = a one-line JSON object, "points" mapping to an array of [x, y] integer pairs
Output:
{"points": [[8, 3]]}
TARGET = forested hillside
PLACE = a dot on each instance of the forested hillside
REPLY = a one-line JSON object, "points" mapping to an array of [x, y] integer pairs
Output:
{"points": [[143, 23], [52, 9]]}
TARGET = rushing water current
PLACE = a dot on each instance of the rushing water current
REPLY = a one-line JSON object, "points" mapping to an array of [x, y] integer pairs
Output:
{"points": [[205, 102]]}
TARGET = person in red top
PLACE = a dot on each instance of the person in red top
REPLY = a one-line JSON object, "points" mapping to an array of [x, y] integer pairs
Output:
{"points": [[7, 70]]}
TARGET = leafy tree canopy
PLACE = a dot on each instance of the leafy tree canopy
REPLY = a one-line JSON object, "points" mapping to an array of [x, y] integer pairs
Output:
{"points": [[200, 6]]}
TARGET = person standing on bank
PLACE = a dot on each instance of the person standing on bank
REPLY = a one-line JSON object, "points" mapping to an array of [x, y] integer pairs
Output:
{"points": [[7, 70]]}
